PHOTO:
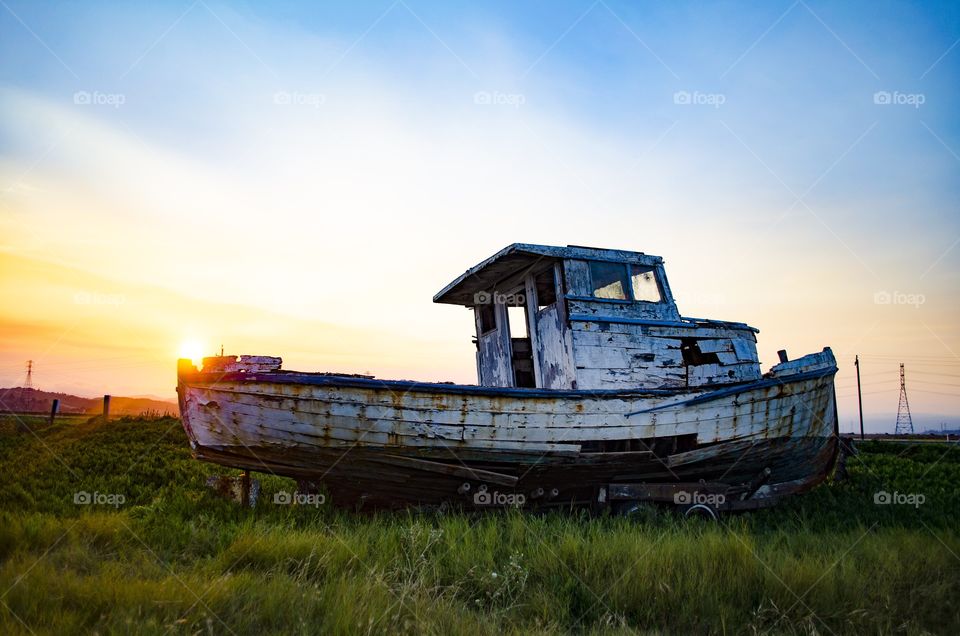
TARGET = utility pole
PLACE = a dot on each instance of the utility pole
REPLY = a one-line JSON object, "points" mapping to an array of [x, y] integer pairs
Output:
{"points": [[856, 362]]}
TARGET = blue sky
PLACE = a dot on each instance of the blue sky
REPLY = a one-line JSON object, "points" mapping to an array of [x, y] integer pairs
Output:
{"points": [[797, 79], [789, 159]]}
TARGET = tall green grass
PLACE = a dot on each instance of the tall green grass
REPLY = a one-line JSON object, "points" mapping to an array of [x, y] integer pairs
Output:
{"points": [[174, 558]]}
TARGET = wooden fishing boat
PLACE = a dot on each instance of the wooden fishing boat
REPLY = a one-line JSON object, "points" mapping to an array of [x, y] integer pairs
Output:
{"points": [[592, 390]]}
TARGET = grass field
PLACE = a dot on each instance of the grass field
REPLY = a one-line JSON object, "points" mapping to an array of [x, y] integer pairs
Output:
{"points": [[172, 557]]}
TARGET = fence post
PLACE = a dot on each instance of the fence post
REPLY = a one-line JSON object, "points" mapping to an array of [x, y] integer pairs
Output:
{"points": [[106, 408], [53, 409]]}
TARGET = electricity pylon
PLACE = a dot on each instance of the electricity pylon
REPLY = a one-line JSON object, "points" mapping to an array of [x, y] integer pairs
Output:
{"points": [[904, 421]]}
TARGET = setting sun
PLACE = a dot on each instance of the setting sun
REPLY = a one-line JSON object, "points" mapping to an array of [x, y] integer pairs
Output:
{"points": [[192, 349]]}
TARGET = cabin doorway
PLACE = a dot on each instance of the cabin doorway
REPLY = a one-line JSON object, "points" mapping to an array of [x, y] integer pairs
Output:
{"points": [[521, 349]]}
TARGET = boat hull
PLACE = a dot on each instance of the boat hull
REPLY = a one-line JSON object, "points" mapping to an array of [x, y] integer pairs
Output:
{"points": [[373, 443]]}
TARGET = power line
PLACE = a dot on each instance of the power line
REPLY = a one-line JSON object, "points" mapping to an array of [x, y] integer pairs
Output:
{"points": [[925, 383], [939, 375], [936, 393]]}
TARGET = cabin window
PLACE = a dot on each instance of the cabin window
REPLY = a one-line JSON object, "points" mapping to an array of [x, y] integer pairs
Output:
{"points": [[643, 281], [488, 318], [609, 280], [517, 317], [546, 289], [624, 282]]}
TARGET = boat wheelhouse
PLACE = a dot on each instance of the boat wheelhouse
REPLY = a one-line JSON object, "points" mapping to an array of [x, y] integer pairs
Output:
{"points": [[587, 318]]}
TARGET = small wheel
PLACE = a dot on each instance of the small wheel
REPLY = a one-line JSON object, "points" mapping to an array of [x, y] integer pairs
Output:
{"points": [[636, 510], [702, 511]]}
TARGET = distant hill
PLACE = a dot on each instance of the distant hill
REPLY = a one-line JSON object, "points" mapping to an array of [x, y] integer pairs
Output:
{"points": [[952, 432], [36, 401]]}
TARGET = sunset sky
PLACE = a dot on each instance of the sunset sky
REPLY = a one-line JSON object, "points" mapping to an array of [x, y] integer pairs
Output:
{"points": [[299, 180]]}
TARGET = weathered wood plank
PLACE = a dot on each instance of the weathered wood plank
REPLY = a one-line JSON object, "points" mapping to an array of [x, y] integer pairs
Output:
{"points": [[464, 472], [577, 277], [715, 345]]}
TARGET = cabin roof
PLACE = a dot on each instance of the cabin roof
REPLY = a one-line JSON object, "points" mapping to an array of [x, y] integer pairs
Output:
{"points": [[520, 257]]}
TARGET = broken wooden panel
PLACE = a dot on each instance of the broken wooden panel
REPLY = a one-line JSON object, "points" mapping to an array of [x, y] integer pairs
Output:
{"points": [[715, 345], [727, 358], [745, 349]]}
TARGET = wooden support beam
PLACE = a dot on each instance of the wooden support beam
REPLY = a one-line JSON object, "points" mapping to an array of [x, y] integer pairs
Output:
{"points": [[245, 489]]}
